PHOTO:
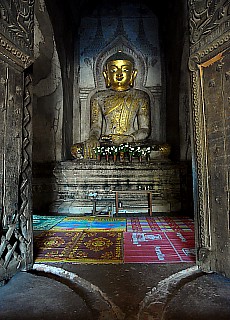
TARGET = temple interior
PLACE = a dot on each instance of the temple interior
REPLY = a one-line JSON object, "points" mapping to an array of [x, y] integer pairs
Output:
{"points": [[114, 159], [71, 47]]}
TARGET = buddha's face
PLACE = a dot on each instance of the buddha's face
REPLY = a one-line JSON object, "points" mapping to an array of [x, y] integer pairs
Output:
{"points": [[119, 75]]}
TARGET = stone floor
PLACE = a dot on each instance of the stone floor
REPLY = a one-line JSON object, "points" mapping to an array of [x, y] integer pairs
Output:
{"points": [[115, 291]]}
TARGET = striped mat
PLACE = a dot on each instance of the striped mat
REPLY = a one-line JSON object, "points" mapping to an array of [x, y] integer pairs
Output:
{"points": [[160, 223]]}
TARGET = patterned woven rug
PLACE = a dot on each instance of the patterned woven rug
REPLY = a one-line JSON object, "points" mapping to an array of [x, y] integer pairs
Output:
{"points": [[98, 247], [159, 247], [45, 222], [165, 224], [106, 224], [79, 247], [157, 239], [53, 246]]}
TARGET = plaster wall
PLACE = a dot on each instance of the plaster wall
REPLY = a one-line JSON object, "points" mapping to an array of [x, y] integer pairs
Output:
{"points": [[47, 109], [48, 92], [184, 111], [185, 102]]}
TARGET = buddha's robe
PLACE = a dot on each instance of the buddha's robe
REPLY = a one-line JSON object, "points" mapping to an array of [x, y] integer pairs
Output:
{"points": [[114, 113]]}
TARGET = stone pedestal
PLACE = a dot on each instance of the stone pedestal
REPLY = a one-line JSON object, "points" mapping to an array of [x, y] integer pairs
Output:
{"points": [[81, 183]]}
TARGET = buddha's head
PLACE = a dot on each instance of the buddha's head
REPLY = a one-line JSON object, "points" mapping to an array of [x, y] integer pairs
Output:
{"points": [[119, 72]]}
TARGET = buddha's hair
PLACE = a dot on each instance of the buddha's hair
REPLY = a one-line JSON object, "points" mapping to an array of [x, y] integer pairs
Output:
{"points": [[120, 56]]}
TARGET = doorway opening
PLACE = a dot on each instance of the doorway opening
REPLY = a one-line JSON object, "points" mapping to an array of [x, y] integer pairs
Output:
{"points": [[62, 183]]}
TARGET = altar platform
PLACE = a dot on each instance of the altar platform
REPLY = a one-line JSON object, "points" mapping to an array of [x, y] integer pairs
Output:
{"points": [[90, 187]]}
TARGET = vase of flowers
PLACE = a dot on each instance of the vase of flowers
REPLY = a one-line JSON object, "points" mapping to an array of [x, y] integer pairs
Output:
{"points": [[140, 152], [131, 152], [114, 152], [123, 148], [97, 151], [107, 153], [147, 153]]}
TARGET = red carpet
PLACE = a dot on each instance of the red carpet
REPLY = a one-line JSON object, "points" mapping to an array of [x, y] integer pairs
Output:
{"points": [[159, 247]]}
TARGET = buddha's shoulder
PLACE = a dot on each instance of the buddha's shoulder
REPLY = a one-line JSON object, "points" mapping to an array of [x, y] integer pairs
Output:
{"points": [[104, 94], [140, 93], [100, 94]]}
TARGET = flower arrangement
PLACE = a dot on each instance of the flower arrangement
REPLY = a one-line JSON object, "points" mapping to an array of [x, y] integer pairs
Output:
{"points": [[131, 150], [148, 150], [97, 150], [122, 150], [124, 147], [138, 151], [107, 151], [114, 150]]}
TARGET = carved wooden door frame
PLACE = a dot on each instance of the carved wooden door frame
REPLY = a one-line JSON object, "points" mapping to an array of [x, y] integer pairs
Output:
{"points": [[209, 43], [16, 57]]}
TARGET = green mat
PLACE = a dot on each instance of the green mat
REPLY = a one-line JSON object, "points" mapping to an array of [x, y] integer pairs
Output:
{"points": [[46, 222]]}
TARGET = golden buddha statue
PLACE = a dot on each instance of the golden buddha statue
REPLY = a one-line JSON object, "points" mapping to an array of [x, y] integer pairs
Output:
{"points": [[115, 111]]}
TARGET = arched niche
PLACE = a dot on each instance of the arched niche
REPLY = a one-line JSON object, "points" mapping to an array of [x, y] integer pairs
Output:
{"points": [[105, 32]]}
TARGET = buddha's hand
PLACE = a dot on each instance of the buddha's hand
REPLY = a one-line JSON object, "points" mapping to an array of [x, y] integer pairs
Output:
{"points": [[89, 147], [77, 150], [121, 138]]}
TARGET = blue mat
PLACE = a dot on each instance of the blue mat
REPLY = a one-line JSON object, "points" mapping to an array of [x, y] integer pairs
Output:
{"points": [[71, 224]]}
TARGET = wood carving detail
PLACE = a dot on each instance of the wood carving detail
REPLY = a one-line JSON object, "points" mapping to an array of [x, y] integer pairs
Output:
{"points": [[209, 62], [207, 15], [16, 238], [198, 135], [25, 187], [16, 28], [209, 33], [209, 28]]}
